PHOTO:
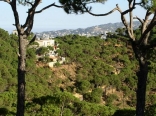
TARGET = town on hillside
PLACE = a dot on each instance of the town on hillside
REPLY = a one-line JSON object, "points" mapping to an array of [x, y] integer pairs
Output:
{"points": [[46, 50]]}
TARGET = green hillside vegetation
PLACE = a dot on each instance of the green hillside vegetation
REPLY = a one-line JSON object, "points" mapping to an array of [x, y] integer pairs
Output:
{"points": [[97, 79]]}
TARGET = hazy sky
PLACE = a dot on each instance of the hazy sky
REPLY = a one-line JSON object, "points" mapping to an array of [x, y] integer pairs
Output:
{"points": [[55, 18]]}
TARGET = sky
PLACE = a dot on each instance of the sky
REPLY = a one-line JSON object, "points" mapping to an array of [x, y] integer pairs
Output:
{"points": [[56, 19]]}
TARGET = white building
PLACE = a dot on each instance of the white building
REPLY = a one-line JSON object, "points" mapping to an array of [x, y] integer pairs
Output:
{"points": [[15, 32], [45, 43], [52, 54]]}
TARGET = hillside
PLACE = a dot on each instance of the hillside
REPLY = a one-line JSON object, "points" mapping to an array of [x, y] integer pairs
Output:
{"points": [[98, 78], [89, 31]]}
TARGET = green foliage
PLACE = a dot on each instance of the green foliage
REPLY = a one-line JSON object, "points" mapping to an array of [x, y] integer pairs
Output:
{"points": [[151, 110], [8, 66], [110, 98], [153, 35], [77, 6], [137, 33], [23, 2], [7, 102], [4, 34], [42, 50], [124, 112], [64, 103], [151, 99], [149, 4], [83, 86], [3, 111], [92, 109], [57, 64], [95, 96], [50, 48], [98, 60], [120, 31], [99, 65]]}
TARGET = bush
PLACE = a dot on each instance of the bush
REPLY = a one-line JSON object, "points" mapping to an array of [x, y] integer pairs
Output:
{"points": [[124, 112]]}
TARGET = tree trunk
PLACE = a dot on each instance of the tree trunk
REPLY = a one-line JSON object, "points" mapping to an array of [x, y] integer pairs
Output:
{"points": [[21, 76], [141, 88]]}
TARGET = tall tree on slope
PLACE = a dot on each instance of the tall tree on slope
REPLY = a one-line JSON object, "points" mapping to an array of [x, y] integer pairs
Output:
{"points": [[23, 32], [141, 46]]}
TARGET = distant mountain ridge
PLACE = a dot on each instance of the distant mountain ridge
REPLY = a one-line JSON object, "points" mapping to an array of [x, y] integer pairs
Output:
{"points": [[89, 31]]}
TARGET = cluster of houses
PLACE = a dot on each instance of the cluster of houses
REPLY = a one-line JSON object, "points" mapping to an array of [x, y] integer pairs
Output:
{"points": [[52, 54], [45, 41]]}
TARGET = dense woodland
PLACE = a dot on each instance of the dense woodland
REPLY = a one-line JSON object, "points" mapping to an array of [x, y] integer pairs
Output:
{"points": [[97, 79]]}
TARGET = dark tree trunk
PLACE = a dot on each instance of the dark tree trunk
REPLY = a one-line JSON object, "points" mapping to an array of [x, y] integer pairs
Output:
{"points": [[141, 88], [21, 76], [142, 74]]}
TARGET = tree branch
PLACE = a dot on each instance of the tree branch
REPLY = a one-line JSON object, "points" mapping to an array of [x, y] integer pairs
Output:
{"points": [[49, 7], [13, 6], [144, 26], [131, 17], [144, 23], [30, 17], [32, 40], [8, 1], [129, 10], [29, 2], [147, 30], [124, 21], [141, 21], [99, 14], [145, 42], [138, 3]]}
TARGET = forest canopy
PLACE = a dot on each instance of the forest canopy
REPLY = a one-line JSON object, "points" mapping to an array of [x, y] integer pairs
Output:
{"points": [[103, 75]]}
